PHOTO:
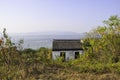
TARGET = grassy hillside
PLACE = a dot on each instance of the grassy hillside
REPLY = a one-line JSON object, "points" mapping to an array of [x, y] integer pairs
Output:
{"points": [[100, 61]]}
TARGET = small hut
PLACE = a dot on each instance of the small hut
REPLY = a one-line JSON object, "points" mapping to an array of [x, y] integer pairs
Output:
{"points": [[66, 48]]}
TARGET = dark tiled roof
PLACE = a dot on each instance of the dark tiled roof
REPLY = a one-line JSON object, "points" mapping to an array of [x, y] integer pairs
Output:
{"points": [[67, 44]]}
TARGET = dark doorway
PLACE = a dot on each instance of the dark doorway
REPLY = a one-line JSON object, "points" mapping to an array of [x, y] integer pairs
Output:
{"points": [[76, 55], [62, 54]]}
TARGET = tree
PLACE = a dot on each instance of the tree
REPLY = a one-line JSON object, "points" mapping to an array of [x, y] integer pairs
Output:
{"points": [[8, 50], [107, 45]]}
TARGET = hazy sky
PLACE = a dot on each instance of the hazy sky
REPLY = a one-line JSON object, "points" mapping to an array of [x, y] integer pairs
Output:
{"points": [[55, 15]]}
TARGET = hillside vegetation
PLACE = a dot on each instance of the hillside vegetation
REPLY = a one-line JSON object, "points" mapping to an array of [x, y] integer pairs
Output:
{"points": [[100, 61]]}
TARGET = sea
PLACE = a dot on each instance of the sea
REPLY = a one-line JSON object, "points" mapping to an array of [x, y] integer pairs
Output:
{"points": [[38, 41]]}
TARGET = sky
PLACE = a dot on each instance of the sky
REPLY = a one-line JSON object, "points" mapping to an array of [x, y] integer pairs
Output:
{"points": [[23, 16]]}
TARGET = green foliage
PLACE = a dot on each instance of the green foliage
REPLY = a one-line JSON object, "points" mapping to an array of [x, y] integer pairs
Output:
{"points": [[106, 47], [17, 63], [101, 49]]}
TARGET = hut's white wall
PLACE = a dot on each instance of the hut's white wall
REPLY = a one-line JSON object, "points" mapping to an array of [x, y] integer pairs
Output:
{"points": [[55, 54], [81, 52], [68, 54]]}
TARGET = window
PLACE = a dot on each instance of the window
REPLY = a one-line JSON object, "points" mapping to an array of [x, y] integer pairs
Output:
{"points": [[76, 55]]}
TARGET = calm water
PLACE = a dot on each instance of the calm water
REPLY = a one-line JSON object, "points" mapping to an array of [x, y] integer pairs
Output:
{"points": [[37, 41]]}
